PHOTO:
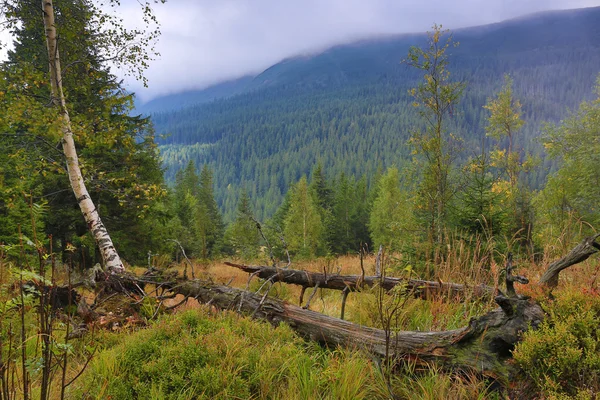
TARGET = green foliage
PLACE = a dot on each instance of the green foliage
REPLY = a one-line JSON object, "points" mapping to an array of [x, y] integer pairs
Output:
{"points": [[392, 223], [118, 156], [303, 225], [198, 356], [347, 228], [200, 227], [349, 108], [505, 113], [436, 147], [572, 192], [562, 357], [504, 123], [242, 236], [480, 207]]}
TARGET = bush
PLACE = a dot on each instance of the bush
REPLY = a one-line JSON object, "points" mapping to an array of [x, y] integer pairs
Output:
{"points": [[562, 357]]}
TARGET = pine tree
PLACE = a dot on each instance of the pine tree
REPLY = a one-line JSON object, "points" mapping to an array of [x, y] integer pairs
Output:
{"points": [[212, 224], [198, 213], [480, 208]]}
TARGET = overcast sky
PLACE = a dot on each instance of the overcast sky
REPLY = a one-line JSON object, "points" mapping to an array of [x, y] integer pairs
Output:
{"points": [[207, 41]]}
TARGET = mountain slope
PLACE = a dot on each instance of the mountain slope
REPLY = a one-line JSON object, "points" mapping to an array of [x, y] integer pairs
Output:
{"points": [[195, 97], [349, 107]]}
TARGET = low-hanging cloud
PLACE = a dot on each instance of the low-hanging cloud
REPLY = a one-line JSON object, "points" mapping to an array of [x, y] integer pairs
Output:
{"points": [[207, 41]]}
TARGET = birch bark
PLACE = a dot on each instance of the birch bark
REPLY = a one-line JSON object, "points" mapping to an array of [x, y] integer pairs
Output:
{"points": [[110, 257]]}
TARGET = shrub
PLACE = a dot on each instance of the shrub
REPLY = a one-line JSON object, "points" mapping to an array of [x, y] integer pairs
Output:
{"points": [[562, 357]]}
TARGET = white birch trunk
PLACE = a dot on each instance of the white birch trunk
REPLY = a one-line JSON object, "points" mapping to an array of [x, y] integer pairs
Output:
{"points": [[112, 261]]}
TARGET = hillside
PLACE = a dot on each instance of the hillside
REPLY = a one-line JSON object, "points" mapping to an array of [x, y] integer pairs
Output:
{"points": [[194, 97], [349, 107]]}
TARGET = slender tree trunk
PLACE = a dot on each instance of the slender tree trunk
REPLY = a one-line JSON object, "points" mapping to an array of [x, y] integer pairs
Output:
{"points": [[112, 261]]}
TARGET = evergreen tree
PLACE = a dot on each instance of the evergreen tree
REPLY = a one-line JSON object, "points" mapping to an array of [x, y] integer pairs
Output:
{"points": [[480, 208], [392, 221], [303, 227], [323, 196], [341, 236], [321, 189], [198, 213], [348, 230], [242, 235], [213, 227]]}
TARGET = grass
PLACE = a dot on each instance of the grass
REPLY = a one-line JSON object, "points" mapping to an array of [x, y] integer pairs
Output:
{"points": [[199, 354], [204, 355]]}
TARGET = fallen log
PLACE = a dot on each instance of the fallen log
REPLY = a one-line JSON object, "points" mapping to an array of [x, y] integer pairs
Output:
{"points": [[481, 347], [580, 253], [418, 288]]}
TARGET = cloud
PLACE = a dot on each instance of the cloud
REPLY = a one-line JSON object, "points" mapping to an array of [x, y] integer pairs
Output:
{"points": [[207, 41]]}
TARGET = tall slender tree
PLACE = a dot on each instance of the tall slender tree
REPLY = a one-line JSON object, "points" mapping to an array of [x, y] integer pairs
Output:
{"points": [[38, 30], [504, 123], [435, 98]]}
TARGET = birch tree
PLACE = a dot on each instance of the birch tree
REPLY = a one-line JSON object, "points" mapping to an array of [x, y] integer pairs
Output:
{"points": [[110, 256], [114, 44]]}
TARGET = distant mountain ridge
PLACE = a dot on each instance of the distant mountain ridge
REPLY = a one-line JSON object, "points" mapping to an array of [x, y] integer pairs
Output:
{"points": [[348, 107], [190, 98], [574, 27]]}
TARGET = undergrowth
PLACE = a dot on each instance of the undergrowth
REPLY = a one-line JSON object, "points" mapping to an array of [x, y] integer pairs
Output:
{"points": [[197, 354], [561, 359]]}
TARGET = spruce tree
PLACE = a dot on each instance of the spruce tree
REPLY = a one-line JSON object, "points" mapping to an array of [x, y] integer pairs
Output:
{"points": [[242, 235], [303, 227], [391, 222]]}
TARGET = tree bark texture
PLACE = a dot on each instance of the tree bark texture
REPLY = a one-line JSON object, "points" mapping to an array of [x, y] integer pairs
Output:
{"points": [[418, 288], [480, 347], [112, 261], [580, 253]]}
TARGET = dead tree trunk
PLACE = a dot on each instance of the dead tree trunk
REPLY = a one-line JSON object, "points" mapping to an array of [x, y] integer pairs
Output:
{"points": [[481, 347], [580, 253], [419, 288]]}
